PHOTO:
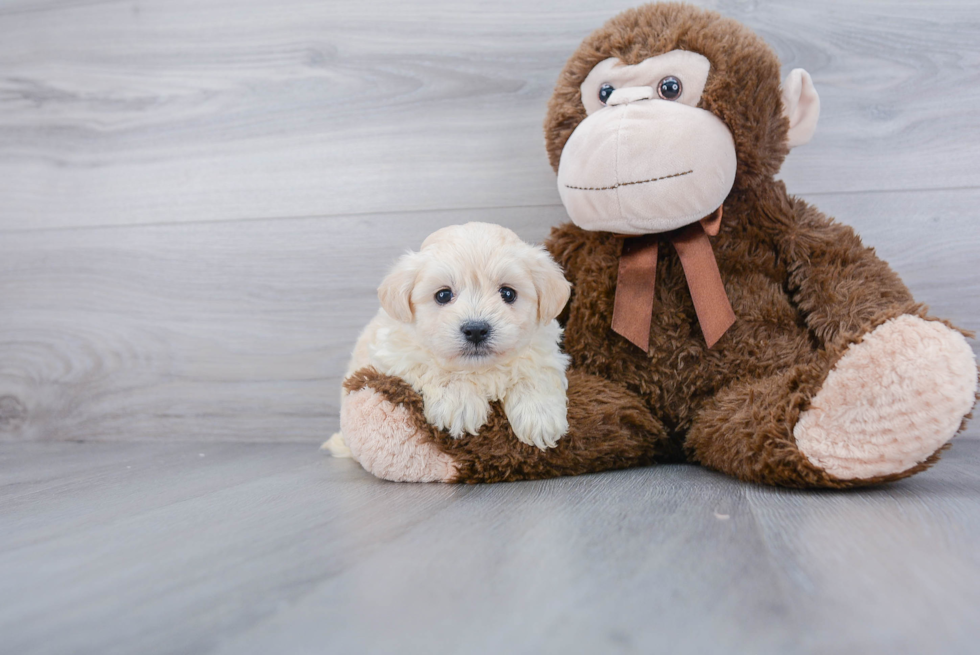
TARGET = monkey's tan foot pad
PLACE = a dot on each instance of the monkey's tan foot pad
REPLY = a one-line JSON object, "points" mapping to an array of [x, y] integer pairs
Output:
{"points": [[891, 401], [383, 438]]}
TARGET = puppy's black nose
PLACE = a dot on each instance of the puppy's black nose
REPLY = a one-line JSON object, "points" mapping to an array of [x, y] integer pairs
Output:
{"points": [[475, 331]]}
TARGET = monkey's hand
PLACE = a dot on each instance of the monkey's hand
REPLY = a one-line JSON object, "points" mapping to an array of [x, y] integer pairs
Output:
{"points": [[383, 425], [842, 288]]}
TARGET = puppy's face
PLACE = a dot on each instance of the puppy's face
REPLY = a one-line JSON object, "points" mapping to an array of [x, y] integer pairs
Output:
{"points": [[474, 294]]}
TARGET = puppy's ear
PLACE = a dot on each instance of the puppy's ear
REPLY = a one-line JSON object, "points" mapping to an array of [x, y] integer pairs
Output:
{"points": [[395, 292], [550, 284]]}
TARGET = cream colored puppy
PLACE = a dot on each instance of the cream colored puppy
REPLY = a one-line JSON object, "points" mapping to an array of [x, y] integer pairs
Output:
{"points": [[470, 319]]}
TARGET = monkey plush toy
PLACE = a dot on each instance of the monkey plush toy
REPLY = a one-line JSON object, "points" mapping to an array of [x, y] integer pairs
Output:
{"points": [[714, 318]]}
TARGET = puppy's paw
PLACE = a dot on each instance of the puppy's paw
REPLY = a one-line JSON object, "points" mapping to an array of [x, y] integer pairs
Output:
{"points": [[538, 421], [457, 414]]}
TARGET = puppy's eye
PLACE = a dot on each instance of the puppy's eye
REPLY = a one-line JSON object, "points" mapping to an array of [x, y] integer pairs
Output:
{"points": [[669, 88], [443, 296], [508, 294], [605, 91]]}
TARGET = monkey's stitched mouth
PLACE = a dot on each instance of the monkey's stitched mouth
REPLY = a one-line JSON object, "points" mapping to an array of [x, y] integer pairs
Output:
{"points": [[616, 186]]}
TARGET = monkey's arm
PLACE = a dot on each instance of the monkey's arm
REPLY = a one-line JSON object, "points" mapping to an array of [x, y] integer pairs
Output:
{"points": [[384, 425], [841, 286]]}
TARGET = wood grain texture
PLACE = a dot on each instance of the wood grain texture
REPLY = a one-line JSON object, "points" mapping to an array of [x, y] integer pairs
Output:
{"points": [[240, 331], [268, 548], [231, 331], [180, 110]]}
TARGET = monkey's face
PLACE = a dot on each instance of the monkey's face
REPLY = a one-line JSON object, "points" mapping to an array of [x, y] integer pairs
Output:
{"points": [[646, 159]]}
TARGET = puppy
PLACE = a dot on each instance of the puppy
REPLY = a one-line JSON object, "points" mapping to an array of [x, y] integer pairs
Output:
{"points": [[470, 319]]}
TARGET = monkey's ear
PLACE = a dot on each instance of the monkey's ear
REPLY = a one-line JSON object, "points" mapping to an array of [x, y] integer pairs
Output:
{"points": [[801, 105], [395, 292], [549, 283]]}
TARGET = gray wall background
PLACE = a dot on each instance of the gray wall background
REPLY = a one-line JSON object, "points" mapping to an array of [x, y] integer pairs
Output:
{"points": [[198, 199]]}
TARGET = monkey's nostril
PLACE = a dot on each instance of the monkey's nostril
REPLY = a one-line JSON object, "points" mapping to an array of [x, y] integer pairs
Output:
{"points": [[475, 331]]}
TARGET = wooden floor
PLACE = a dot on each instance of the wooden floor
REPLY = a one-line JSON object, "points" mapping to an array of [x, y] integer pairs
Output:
{"points": [[198, 199], [267, 548]]}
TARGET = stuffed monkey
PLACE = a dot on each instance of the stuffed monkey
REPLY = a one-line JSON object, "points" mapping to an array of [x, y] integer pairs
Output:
{"points": [[714, 318]]}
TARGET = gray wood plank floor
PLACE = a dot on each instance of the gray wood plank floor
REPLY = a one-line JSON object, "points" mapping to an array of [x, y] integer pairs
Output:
{"points": [[267, 548]]}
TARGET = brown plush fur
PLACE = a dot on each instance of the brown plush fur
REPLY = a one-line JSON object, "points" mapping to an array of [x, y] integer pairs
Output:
{"points": [[803, 289], [609, 429]]}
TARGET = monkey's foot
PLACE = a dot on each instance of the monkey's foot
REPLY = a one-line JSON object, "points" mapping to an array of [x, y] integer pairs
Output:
{"points": [[891, 401], [384, 439]]}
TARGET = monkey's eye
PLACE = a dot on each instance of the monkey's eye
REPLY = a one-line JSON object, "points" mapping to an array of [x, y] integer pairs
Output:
{"points": [[669, 88], [605, 91], [443, 296], [508, 294]]}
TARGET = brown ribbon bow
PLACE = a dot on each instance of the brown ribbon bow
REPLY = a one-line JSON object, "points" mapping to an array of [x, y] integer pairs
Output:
{"points": [[635, 285]]}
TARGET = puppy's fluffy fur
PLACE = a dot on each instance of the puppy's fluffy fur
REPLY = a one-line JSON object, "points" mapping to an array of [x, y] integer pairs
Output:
{"points": [[418, 338]]}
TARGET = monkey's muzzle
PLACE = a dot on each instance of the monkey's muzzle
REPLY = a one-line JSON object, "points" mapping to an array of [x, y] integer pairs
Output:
{"points": [[645, 166]]}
